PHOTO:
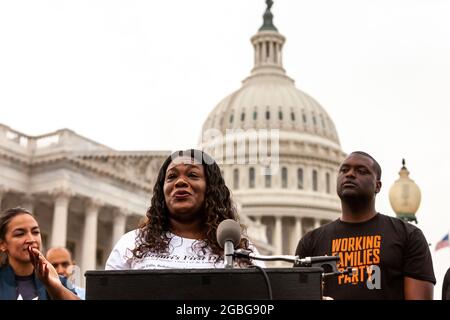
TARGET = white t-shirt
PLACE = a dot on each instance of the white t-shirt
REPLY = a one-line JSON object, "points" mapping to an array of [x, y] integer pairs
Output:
{"points": [[182, 255]]}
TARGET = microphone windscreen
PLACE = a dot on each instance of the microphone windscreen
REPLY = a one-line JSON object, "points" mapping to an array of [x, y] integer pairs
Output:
{"points": [[228, 230]]}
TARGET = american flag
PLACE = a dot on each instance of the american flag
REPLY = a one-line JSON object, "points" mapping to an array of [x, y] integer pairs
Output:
{"points": [[443, 243]]}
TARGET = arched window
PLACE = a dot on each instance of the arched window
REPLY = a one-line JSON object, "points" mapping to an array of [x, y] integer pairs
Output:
{"points": [[267, 115], [242, 116], [255, 115], [251, 178], [292, 116], [300, 178], [314, 180], [280, 115], [231, 118], [236, 179], [284, 177], [328, 183]]}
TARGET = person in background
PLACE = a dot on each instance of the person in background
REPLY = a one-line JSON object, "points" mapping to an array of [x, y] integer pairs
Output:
{"points": [[61, 259], [24, 272], [190, 199], [446, 286], [391, 256]]}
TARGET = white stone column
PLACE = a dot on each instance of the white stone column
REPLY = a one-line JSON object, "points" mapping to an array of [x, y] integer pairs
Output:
{"points": [[262, 233], [60, 214], [278, 239], [119, 225], [260, 54], [271, 52], [316, 223], [280, 55], [297, 234], [275, 53], [264, 53], [89, 247], [278, 236]]}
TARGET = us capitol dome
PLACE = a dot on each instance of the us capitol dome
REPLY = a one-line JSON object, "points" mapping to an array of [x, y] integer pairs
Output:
{"points": [[292, 190]]}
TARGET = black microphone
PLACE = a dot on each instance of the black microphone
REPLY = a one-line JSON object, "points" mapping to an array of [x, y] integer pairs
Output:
{"points": [[317, 260], [228, 237]]}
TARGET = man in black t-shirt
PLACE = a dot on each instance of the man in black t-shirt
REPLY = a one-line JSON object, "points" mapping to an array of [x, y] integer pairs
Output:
{"points": [[391, 256], [446, 286]]}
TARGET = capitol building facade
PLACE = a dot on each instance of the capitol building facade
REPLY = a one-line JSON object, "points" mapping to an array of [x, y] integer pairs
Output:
{"points": [[86, 195]]}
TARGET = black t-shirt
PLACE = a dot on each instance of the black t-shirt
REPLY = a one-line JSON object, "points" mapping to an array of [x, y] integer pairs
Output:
{"points": [[26, 288], [446, 286], [387, 248]]}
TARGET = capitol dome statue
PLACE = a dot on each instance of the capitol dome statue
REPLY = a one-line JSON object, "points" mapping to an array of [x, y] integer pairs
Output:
{"points": [[278, 148]]}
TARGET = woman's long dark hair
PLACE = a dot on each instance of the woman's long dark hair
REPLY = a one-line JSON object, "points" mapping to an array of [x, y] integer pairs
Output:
{"points": [[154, 236], [5, 218]]}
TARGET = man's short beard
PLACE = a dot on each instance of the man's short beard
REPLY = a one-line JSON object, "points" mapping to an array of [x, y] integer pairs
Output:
{"points": [[356, 201]]}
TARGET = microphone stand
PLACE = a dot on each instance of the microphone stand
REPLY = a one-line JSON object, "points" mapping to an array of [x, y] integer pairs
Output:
{"points": [[229, 254], [317, 261]]}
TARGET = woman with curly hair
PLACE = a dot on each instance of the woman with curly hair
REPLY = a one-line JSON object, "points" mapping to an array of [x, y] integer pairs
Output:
{"points": [[190, 199]]}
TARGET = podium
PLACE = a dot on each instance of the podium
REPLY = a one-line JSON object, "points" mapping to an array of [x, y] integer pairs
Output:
{"points": [[204, 284]]}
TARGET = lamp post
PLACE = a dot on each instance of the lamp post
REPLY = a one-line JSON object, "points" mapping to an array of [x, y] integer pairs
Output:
{"points": [[405, 196]]}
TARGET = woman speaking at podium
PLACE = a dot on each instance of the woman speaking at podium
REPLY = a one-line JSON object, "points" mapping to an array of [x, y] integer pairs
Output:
{"points": [[189, 201]]}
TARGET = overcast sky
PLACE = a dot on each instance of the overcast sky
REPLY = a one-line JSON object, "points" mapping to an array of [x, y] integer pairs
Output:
{"points": [[143, 75]]}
